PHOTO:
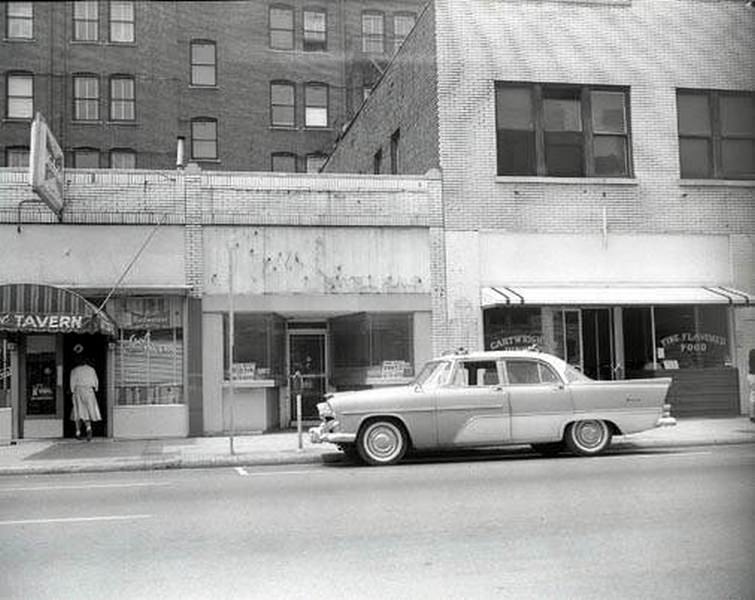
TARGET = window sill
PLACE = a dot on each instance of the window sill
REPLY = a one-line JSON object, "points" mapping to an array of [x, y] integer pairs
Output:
{"points": [[20, 40], [283, 127], [568, 180], [87, 122], [122, 44], [17, 119], [87, 42], [133, 123], [206, 160], [746, 183], [196, 86]]}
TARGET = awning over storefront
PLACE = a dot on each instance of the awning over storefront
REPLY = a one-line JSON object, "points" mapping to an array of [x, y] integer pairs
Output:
{"points": [[612, 295], [34, 308]]}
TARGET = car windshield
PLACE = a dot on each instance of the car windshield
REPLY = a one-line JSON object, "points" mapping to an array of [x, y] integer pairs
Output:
{"points": [[434, 373]]}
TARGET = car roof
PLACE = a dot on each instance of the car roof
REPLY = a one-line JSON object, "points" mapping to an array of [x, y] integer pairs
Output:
{"points": [[495, 354]]}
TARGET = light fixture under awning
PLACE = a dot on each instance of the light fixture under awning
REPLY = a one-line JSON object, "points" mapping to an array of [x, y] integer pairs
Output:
{"points": [[612, 295]]}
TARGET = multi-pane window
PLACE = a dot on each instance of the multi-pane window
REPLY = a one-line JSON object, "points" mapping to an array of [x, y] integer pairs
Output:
{"points": [[20, 96], [283, 162], [372, 33], [316, 105], [282, 27], [19, 20], [315, 162], [121, 21], [86, 158], [122, 159], [17, 157], [203, 61], [562, 131], [282, 94], [204, 138], [86, 98], [122, 98], [85, 21], [716, 134], [402, 25], [315, 30]]}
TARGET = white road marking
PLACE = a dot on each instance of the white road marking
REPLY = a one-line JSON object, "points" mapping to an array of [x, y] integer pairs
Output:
{"points": [[80, 486], [657, 455], [242, 471], [75, 519]]}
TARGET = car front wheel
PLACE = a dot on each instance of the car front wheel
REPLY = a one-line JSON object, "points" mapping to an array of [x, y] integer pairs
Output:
{"points": [[588, 438], [382, 443]]}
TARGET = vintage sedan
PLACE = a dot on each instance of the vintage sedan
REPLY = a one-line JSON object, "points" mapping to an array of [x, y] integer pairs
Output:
{"points": [[491, 399]]}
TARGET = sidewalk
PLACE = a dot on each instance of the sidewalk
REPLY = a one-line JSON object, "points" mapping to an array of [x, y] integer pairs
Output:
{"points": [[73, 456]]}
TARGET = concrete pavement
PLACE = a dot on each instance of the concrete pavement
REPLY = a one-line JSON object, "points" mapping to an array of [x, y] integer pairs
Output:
{"points": [[71, 456]]}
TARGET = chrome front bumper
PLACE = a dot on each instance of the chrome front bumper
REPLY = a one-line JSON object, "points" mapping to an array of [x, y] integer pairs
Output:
{"points": [[323, 433]]}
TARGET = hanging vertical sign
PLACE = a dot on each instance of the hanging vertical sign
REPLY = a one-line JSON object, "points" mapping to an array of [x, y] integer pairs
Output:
{"points": [[46, 165]]}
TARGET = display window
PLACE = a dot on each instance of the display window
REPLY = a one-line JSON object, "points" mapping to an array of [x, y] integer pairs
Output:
{"points": [[259, 346], [692, 337]]}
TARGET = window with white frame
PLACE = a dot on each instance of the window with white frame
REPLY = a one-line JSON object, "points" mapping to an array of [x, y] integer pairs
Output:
{"points": [[282, 100], [716, 134], [86, 20], [20, 96], [121, 21], [315, 162], [315, 30], [19, 20], [562, 130], [283, 162], [316, 105], [403, 23], [86, 158], [281, 27], [204, 138], [17, 157], [86, 97], [203, 62], [373, 41], [122, 158], [122, 100]]}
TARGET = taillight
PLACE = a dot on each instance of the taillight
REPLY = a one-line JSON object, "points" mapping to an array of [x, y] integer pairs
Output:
{"points": [[666, 410]]}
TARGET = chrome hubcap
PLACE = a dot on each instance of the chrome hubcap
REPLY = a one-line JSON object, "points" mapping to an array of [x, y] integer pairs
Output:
{"points": [[590, 434], [383, 441]]}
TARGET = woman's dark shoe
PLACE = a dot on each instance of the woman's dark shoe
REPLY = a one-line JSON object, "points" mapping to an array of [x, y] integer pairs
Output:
{"points": [[89, 435]]}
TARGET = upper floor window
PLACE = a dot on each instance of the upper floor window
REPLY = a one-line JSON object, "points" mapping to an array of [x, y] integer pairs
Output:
{"points": [[20, 96], [716, 134], [122, 101], [86, 21], [403, 23], [282, 94], [86, 98], [315, 162], [121, 21], [372, 33], [86, 158], [282, 27], [283, 162], [122, 158], [19, 20], [17, 157], [203, 57], [316, 105], [562, 131], [204, 138], [315, 30]]}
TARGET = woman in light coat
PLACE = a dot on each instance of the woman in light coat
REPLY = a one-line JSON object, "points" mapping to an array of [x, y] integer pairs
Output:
{"points": [[84, 384]]}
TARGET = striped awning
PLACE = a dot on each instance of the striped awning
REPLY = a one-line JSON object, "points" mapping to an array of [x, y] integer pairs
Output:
{"points": [[612, 295], [35, 308]]}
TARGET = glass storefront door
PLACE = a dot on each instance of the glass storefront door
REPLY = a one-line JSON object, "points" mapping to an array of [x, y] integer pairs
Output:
{"points": [[306, 356], [598, 344]]}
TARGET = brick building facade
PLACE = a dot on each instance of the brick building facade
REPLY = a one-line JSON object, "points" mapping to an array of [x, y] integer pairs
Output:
{"points": [[597, 169], [247, 84]]}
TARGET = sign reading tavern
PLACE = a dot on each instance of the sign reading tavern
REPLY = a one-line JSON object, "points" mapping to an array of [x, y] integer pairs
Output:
{"points": [[43, 322]]}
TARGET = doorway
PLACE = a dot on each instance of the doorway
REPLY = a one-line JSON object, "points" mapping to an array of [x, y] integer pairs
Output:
{"points": [[306, 355], [93, 348]]}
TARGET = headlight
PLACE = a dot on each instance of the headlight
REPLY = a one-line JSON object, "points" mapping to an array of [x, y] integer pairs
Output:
{"points": [[325, 410]]}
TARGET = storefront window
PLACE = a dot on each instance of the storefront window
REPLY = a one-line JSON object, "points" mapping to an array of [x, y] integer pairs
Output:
{"points": [[149, 352], [371, 345], [692, 337], [259, 346], [513, 328]]}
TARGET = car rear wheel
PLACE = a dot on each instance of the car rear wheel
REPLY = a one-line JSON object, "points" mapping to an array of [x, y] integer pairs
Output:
{"points": [[549, 449], [588, 438], [382, 443]]}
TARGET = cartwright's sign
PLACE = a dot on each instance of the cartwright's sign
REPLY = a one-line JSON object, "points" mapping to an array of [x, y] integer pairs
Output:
{"points": [[48, 323]]}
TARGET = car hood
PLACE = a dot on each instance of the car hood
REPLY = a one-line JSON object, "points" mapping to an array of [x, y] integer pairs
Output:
{"points": [[365, 397]]}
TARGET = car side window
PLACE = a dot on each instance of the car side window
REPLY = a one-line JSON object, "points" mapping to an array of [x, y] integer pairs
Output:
{"points": [[475, 373], [530, 372], [548, 375]]}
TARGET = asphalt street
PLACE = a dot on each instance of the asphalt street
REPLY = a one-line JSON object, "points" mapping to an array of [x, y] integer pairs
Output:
{"points": [[637, 524]]}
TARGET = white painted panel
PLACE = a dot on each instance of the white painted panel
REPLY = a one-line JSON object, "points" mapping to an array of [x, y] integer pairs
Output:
{"points": [[151, 421], [6, 426], [91, 255], [569, 259], [317, 260], [43, 428]]}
